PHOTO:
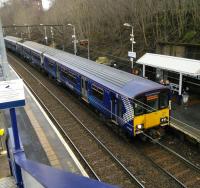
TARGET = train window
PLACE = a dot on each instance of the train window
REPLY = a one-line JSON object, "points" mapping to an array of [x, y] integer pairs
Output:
{"points": [[51, 65], [68, 75], [152, 103], [138, 106], [119, 113], [82, 83], [97, 92], [164, 100], [86, 85]]}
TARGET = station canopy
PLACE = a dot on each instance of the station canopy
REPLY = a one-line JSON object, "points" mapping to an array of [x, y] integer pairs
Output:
{"points": [[171, 63]]}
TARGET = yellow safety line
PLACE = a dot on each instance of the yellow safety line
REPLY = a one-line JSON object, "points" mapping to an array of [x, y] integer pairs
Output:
{"points": [[51, 155]]}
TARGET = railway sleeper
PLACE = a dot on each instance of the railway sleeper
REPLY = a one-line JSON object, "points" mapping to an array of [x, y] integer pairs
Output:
{"points": [[179, 169], [171, 167], [115, 176], [154, 153], [182, 172], [91, 155], [105, 168], [192, 182], [102, 160], [163, 158]]}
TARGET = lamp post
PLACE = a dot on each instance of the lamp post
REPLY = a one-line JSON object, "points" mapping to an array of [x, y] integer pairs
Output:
{"points": [[52, 36], [74, 38], [15, 29], [22, 35], [4, 32], [28, 31], [131, 54], [45, 33], [88, 49], [63, 28]]}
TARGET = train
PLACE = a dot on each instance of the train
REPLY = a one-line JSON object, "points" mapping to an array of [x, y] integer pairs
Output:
{"points": [[135, 104]]}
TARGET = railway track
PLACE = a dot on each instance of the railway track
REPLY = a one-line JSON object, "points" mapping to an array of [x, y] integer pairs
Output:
{"points": [[179, 168], [99, 164], [102, 163]]}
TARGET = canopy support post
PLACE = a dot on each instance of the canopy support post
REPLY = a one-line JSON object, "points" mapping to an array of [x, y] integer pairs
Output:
{"points": [[180, 84], [143, 71]]}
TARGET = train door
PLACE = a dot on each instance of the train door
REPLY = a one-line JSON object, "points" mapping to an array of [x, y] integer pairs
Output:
{"points": [[84, 88], [57, 72], [114, 109]]}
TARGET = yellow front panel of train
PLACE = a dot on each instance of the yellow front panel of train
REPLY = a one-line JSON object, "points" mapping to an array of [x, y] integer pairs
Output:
{"points": [[152, 119]]}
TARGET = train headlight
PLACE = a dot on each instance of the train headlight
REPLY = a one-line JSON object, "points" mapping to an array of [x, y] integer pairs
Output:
{"points": [[140, 126], [164, 120]]}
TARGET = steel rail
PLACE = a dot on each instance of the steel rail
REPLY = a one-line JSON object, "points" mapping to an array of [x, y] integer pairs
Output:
{"points": [[174, 153], [166, 172], [187, 162]]}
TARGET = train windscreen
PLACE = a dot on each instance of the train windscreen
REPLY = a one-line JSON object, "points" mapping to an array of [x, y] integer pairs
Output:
{"points": [[138, 106], [164, 100], [152, 103]]}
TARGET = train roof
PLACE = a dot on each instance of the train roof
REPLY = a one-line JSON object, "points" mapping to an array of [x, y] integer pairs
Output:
{"points": [[119, 81], [13, 39], [40, 48], [122, 82]]}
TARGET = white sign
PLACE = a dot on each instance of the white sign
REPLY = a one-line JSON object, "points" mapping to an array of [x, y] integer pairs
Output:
{"points": [[132, 54], [12, 94]]}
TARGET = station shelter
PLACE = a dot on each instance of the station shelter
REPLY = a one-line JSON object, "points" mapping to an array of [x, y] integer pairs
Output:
{"points": [[164, 64]]}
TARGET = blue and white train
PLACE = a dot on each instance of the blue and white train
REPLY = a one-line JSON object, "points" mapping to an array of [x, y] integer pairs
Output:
{"points": [[131, 102]]}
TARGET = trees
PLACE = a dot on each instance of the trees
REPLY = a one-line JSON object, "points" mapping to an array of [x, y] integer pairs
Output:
{"points": [[102, 21], [20, 13]]}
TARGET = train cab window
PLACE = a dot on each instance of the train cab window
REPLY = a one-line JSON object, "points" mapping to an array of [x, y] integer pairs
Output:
{"points": [[97, 92], [138, 105], [152, 103], [164, 100]]}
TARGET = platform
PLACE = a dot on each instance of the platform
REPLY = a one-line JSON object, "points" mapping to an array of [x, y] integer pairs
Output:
{"points": [[187, 118], [7, 182]]}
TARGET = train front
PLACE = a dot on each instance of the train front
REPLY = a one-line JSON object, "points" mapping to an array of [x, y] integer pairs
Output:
{"points": [[151, 111]]}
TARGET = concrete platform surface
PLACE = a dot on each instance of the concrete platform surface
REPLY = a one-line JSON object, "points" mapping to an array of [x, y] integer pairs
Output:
{"points": [[187, 117], [4, 167], [7, 182]]}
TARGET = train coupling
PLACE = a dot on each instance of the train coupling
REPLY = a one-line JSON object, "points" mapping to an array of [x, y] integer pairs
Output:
{"points": [[157, 133]]}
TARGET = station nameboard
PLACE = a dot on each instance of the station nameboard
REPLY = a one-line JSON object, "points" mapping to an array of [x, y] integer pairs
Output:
{"points": [[12, 94], [132, 54]]}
